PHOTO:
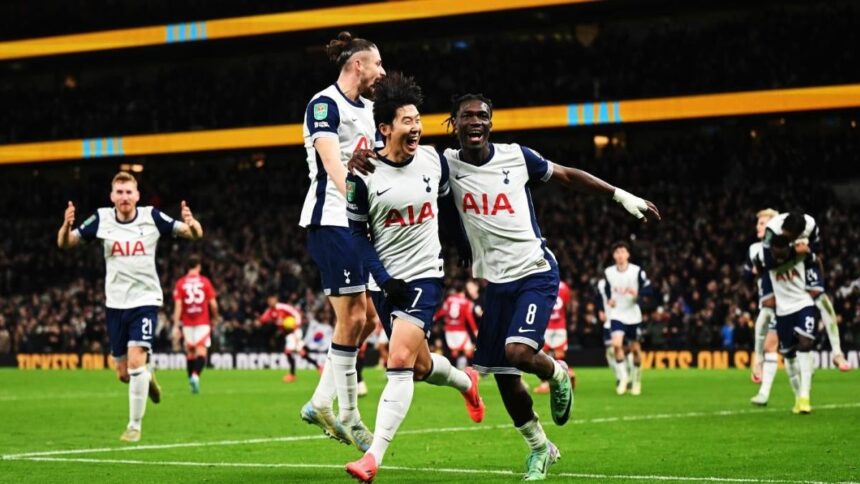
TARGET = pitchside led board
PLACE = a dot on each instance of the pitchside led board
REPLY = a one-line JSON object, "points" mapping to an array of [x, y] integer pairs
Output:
{"points": [[652, 360]]}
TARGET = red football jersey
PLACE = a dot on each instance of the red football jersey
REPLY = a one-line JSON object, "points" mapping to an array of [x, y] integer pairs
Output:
{"points": [[195, 292], [558, 318], [278, 313], [457, 310]]}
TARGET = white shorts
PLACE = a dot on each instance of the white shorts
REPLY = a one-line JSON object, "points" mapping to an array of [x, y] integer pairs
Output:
{"points": [[200, 335], [555, 339], [293, 342], [458, 340]]}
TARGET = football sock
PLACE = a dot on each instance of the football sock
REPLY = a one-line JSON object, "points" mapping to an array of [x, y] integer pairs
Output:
{"points": [[628, 360], [393, 406], [138, 389], [558, 374], [325, 392], [636, 374], [534, 434], [189, 365], [828, 317], [610, 358], [768, 374], [804, 360], [762, 321], [292, 362], [199, 365], [620, 370], [443, 374], [793, 370], [345, 381]]}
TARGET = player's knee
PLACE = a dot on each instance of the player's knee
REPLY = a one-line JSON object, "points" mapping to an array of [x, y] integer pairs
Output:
{"points": [[421, 370], [400, 358], [519, 355], [769, 303]]}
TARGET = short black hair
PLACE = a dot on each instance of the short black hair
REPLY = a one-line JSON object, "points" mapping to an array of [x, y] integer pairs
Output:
{"points": [[340, 49], [620, 244], [795, 222], [457, 101], [193, 261], [780, 242], [394, 91]]}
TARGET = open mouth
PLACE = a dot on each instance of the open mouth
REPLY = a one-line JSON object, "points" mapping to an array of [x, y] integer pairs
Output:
{"points": [[474, 136], [412, 141]]}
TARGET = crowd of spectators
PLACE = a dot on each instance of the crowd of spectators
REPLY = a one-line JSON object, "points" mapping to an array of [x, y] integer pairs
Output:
{"points": [[708, 188], [647, 57]]}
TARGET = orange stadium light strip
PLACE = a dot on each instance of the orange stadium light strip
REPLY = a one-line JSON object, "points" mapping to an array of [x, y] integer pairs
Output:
{"points": [[370, 13], [513, 119]]}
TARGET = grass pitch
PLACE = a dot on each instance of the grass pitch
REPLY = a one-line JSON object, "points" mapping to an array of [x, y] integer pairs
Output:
{"points": [[687, 426]]}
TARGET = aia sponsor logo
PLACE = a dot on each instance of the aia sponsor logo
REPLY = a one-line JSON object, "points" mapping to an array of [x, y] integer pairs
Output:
{"points": [[127, 248], [480, 204], [408, 216]]}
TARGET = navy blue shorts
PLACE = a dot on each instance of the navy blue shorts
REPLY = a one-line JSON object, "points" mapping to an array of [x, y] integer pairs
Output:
{"points": [[341, 269], [130, 327], [788, 327], [632, 332], [607, 337], [425, 299], [515, 312]]}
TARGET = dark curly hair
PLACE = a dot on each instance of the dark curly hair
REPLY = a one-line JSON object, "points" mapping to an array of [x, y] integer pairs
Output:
{"points": [[392, 92], [457, 101], [339, 50]]}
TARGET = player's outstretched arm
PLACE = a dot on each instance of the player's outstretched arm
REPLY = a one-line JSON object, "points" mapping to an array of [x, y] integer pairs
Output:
{"points": [[587, 183], [66, 237], [329, 151], [189, 228]]}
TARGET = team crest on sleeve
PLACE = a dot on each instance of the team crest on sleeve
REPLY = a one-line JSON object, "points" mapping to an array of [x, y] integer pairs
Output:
{"points": [[320, 111], [350, 191]]}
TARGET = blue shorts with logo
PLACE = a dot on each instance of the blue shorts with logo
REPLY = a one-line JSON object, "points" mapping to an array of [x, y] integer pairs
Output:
{"points": [[515, 312], [130, 327], [341, 269], [765, 288], [790, 326], [632, 332], [426, 295]]}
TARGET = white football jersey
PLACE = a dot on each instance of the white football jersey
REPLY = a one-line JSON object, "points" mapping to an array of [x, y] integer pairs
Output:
{"points": [[601, 289], [331, 114], [624, 288], [810, 231], [789, 287], [131, 279], [399, 204], [495, 206]]}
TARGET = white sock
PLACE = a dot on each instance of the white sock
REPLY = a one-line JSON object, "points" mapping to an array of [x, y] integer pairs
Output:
{"points": [[828, 317], [620, 370], [325, 391], [558, 374], [345, 382], [462, 361], [534, 434], [636, 374], [138, 388], [762, 321], [793, 370], [393, 406], [804, 360], [768, 374], [443, 374], [610, 358]]}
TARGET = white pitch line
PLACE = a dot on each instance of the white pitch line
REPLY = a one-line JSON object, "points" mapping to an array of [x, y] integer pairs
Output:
{"points": [[443, 470], [474, 428]]}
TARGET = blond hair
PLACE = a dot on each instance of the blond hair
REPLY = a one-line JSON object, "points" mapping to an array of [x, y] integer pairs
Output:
{"points": [[123, 177], [768, 212]]}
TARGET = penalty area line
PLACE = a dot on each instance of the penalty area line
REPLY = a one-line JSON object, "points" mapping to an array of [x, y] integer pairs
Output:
{"points": [[440, 470]]}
